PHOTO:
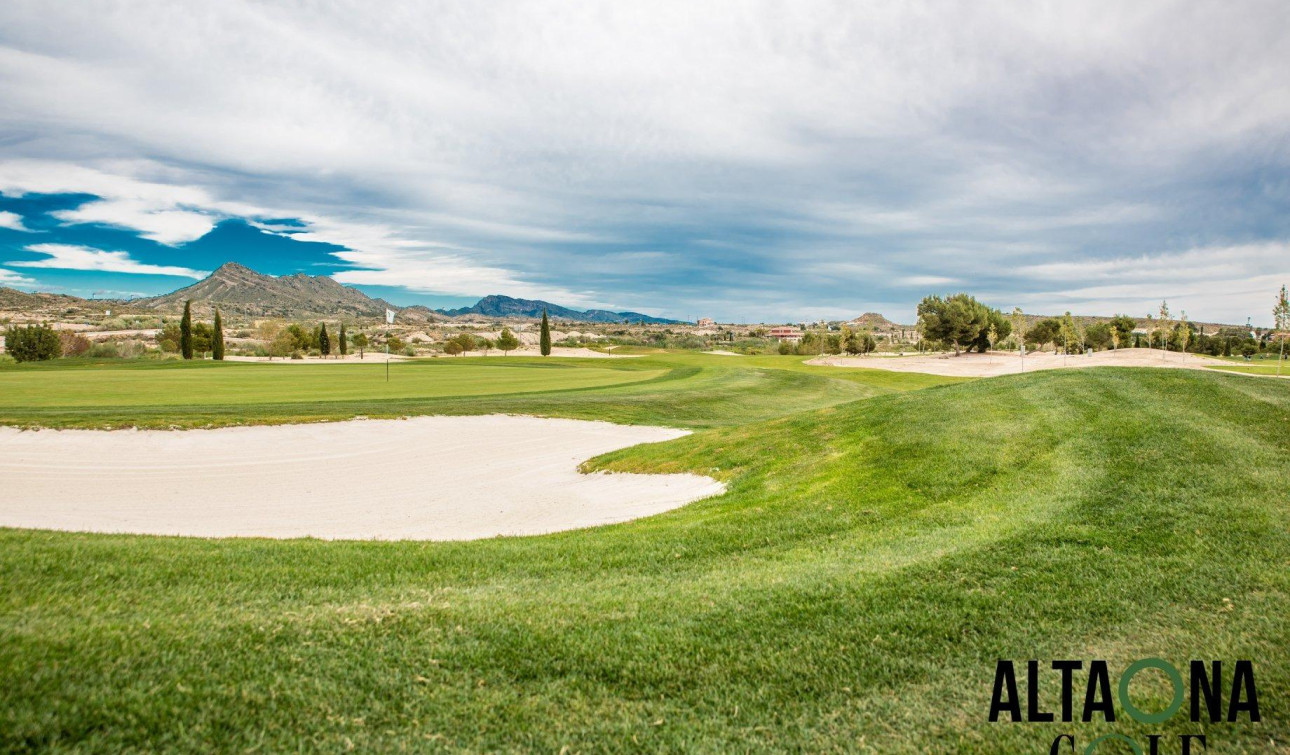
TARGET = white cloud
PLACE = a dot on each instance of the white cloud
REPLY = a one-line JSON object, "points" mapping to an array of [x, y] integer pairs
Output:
{"points": [[12, 221], [925, 280], [70, 257], [1216, 283], [10, 278], [497, 145]]}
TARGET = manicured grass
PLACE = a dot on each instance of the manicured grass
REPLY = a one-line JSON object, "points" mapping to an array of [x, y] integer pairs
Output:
{"points": [[872, 559], [693, 390], [89, 384], [1255, 367]]}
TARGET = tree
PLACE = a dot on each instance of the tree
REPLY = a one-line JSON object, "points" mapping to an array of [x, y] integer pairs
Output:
{"points": [[1100, 335], [452, 348], [186, 331], [545, 343], [991, 336], [958, 320], [1123, 327], [217, 339], [1281, 317], [360, 340], [465, 340], [34, 343], [1070, 333], [850, 341], [867, 342], [203, 335], [343, 341], [1018, 322], [1184, 332], [1165, 324], [1044, 331], [324, 341], [283, 344], [507, 341], [168, 339]]}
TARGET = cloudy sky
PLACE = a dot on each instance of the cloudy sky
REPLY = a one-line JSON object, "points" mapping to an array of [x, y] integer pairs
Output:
{"points": [[747, 161]]}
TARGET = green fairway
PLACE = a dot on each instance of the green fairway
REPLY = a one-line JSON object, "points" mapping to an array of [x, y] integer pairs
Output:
{"points": [[210, 383], [686, 389], [1255, 367], [879, 548]]}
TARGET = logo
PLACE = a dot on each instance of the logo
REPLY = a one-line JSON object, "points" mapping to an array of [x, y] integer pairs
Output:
{"points": [[1209, 688]]}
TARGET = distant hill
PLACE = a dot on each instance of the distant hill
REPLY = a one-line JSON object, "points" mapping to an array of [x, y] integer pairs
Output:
{"points": [[237, 288], [506, 306], [874, 321]]}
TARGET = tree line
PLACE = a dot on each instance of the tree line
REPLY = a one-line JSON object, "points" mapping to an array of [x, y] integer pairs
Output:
{"points": [[963, 323]]}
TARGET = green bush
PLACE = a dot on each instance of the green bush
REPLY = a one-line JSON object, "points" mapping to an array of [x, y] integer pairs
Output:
{"points": [[33, 343]]}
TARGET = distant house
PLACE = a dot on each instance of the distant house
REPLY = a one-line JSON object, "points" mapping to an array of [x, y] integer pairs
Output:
{"points": [[706, 322], [786, 333]]}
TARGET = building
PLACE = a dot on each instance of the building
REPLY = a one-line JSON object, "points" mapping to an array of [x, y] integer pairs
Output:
{"points": [[786, 333], [706, 322]]}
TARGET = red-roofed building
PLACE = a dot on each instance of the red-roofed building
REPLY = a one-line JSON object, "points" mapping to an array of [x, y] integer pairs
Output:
{"points": [[786, 333]]}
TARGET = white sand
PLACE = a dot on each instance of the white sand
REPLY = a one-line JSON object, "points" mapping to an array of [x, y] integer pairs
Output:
{"points": [[723, 353], [369, 357], [556, 351], [1008, 362], [427, 478]]}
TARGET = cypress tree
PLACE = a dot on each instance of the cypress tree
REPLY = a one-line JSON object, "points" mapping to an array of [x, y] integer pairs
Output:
{"points": [[186, 331], [344, 343], [324, 342], [546, 335], [217, 339]]}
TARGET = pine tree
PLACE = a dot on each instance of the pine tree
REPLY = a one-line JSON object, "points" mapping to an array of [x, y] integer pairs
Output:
{"points": [[324, 341], [1281, 317], [546, 335], [507, 341], [217, 339], [344, 344], [186, 332]]}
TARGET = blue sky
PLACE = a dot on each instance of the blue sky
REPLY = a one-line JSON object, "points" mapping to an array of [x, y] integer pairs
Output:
{"points": [[747, 161]]}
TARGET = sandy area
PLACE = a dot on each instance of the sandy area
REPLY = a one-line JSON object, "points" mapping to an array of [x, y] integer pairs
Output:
{"points": [[556, 351], [722, 353], [1008, 362], [370, 357], [427, 478]]}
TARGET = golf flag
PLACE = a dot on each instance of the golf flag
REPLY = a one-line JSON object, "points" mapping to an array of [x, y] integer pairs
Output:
{"points": [[389, 317]]}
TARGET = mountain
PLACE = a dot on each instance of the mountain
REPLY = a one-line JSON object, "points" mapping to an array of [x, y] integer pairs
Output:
{"points": [[237, 288], [506, 306]]}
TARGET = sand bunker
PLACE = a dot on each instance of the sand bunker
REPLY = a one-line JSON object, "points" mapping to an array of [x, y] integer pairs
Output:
{"points": [[1007, 363], [427, 478]]}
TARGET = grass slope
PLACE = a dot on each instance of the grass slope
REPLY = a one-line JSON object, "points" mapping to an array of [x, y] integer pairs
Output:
{"points": [[852, 591]]}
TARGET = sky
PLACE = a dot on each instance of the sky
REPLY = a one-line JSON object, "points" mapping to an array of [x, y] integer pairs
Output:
{"points": [[749, 161]]}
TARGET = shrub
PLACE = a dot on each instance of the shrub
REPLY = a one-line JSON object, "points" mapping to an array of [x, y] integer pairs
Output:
{"points": [[106, 350], [34, 343], [73, 344]]}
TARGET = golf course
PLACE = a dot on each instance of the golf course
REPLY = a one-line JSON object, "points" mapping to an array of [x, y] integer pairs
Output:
{"points": [[883, 539]]}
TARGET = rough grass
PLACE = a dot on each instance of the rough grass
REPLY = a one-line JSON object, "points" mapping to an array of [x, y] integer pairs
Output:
{"points": [[851, 592]]}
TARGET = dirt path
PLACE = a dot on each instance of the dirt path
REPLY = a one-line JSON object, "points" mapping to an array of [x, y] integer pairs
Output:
{"points": [[427, 478]]}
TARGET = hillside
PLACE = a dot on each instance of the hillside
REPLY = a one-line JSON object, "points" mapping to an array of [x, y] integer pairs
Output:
{"points": [[506, 306], [237, 288]]}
